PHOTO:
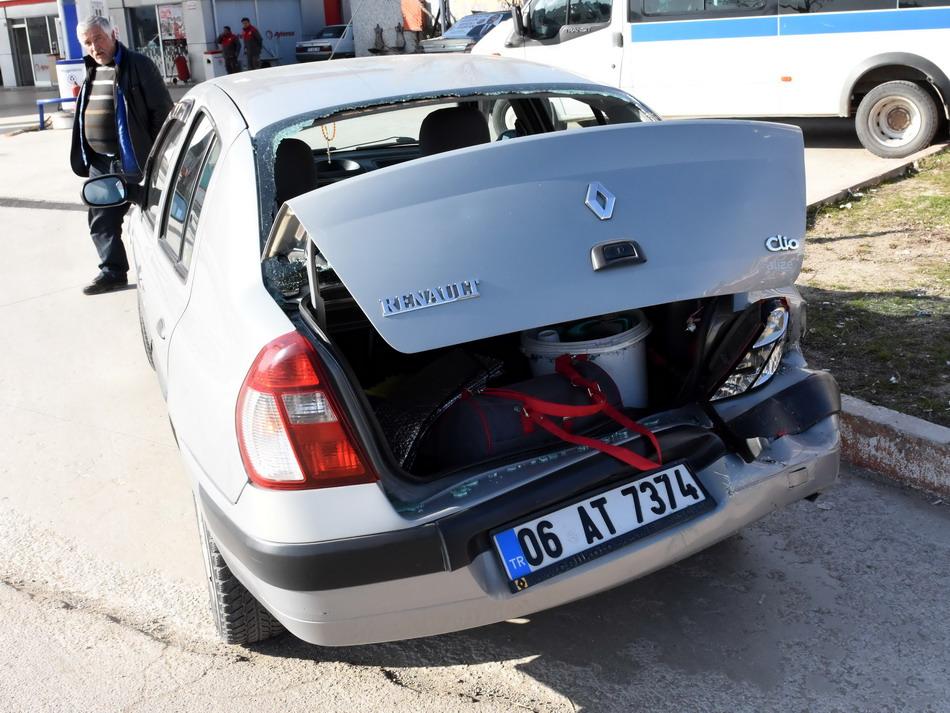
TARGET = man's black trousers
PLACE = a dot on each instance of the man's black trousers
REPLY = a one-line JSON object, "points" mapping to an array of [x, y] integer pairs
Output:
{"points": [[105, 224]]}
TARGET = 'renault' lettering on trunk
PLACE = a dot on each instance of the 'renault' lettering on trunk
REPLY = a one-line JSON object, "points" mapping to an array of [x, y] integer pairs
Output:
{"points": [[430, 297]]}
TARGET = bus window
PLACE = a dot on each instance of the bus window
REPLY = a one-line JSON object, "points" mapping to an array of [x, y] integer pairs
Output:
{"points": [[788, 6], [671, 7], [686, 7], [547, 18], [924, 3], [589, 12]]}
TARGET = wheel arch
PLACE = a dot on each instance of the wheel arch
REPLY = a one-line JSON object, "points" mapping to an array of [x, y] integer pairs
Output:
{"points": [[894, 66]]}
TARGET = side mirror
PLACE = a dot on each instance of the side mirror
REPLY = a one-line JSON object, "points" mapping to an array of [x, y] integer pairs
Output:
{"points": [[518, 20], [105, 191]]}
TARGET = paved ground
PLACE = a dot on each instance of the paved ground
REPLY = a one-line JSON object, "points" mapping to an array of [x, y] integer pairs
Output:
{"points": [[835, 606]]}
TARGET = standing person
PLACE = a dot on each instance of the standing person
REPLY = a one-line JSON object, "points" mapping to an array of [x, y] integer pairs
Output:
{"points": [[231, 49], [252, 44], [121, 107]]}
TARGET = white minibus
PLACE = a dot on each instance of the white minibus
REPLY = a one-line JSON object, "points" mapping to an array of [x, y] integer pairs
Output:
{"points": [[883, 62]]}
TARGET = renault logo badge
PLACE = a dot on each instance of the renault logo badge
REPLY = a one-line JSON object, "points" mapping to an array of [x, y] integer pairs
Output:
{"points": [[600, 200]]}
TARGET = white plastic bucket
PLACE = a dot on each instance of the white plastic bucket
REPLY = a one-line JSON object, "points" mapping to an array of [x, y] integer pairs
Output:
{"points": [[621, 355]]}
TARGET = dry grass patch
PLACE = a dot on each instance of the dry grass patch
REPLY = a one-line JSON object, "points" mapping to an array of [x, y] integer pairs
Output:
{"points": [[877, 278]]}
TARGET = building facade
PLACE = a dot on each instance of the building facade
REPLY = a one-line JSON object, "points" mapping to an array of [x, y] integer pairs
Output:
{"points": [[35, 33]]}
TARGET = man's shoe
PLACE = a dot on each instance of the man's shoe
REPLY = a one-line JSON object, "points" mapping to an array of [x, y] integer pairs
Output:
{"points": [[105, 282]]}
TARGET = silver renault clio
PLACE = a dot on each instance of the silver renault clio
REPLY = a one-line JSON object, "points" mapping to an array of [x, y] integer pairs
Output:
{"points": [[428, 372]]}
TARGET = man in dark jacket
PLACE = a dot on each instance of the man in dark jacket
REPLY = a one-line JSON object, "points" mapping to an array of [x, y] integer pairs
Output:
{"points": [[230, 46], [120, 109], [252, 43]]}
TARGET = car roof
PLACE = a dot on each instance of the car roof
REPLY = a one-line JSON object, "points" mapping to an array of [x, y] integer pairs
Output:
{"points": [[267, 96]]}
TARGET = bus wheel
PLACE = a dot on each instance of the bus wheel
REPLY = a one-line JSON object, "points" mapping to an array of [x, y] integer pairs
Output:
{"points": [[896, 119]]}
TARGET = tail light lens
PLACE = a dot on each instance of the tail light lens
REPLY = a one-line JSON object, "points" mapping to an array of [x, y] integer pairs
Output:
{"points": [[290, 429], [760, 363]]}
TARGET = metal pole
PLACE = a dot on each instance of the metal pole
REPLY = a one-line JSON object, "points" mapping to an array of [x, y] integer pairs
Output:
{"points": [[443, 12]]}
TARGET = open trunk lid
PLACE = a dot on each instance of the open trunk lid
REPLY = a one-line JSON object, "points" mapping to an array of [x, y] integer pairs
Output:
{"points": [[538, 230]]}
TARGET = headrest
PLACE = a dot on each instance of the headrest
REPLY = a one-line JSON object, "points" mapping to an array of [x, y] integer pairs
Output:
{"points": [[295, 172], [453, 128]]}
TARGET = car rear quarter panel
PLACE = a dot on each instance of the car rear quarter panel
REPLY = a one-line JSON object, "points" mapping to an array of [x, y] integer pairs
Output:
{"points": [[229, 317]]}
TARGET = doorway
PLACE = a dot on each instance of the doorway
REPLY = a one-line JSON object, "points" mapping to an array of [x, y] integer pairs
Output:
{"points": [[22, 59]]}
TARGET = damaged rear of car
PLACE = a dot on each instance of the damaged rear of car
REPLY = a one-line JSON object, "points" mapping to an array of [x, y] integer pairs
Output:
{"points": [[516, 368]]}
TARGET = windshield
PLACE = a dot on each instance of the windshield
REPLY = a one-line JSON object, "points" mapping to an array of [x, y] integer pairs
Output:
{"points": [[474, 26]]}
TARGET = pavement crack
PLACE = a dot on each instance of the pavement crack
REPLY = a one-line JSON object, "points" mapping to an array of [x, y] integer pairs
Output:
{"points": [[39, 296], [6, 202], [394, 678]]}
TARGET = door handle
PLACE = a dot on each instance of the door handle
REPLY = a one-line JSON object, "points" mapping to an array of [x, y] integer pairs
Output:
{"points": [[160, 328]]}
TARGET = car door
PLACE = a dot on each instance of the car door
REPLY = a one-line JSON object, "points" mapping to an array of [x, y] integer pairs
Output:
{"points": [[582, 36], [177, 188]]}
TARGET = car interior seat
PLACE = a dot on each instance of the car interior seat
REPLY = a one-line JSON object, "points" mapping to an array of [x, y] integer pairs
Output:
{"points": [[453, 128], [295, 171]]}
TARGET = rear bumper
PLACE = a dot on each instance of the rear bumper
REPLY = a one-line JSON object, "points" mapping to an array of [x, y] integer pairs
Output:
{"points": [[793, 468], [455, 541]]}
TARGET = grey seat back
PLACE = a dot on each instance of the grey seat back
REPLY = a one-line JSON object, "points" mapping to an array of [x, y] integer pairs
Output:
{"points": [[452, 128]]}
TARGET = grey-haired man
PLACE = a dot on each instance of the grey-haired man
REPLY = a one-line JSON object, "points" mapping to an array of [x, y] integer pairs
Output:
{"points": [[120, 110]]}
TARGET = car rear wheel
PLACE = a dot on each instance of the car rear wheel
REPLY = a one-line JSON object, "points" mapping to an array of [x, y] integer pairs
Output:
{"points": [[896, 119], [238, 617]]}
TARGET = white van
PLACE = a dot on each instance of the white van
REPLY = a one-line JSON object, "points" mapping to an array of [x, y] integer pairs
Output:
{"points": [[883, 62]]}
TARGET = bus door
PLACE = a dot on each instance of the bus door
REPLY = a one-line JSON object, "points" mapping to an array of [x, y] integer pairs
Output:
{"points": [[581, 36], [704, 57]]}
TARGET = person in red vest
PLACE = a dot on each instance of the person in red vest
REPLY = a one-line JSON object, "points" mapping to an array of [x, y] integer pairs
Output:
{"points": [[230, 45], [252, 44]]}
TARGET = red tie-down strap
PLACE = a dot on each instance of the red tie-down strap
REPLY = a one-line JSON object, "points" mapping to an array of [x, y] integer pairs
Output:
{"points": [[538, 411]]}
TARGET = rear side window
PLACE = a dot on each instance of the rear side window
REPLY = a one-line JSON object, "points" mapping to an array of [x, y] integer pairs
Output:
{"points": [[162, 159], [187, 192]]}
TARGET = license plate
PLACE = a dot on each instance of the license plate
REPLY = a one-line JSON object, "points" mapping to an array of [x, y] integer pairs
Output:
{"points": [[321, 48], [600, 523]]}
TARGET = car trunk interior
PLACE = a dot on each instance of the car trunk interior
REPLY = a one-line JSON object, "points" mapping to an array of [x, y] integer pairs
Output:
{"points": [[405, 392]]}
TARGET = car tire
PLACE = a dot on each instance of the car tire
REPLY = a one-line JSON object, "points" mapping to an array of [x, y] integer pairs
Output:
{"points": [[146, 342], [896, 119], [238, 617]]}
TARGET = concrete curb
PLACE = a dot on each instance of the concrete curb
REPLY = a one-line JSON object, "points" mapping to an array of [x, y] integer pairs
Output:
{"points": [[905, 449], [889, 175]]}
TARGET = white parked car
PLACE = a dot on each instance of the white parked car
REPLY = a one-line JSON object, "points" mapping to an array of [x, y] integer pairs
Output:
{"points": [[332, 42], [427, 376]]}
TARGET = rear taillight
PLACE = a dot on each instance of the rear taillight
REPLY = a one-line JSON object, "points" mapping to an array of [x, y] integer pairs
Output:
{"points": [[760, 363], [290, 428]]}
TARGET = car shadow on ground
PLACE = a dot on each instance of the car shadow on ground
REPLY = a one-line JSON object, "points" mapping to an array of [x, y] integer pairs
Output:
{"points": [[680, 616], [824, 133]]}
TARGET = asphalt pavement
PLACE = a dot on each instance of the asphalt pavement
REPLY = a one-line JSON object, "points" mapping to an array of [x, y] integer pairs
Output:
{"points": [[838, 605]]}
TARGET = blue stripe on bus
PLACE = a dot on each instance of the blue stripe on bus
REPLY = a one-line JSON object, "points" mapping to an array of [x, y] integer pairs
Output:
{"points": [[704, 29], [883, 21], [812, 24]]}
